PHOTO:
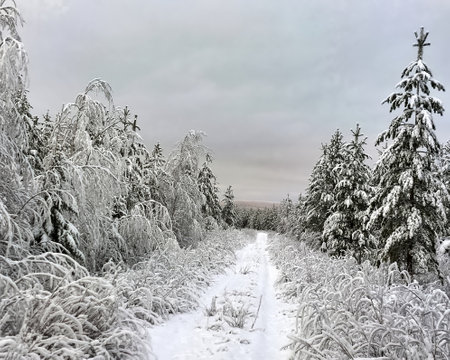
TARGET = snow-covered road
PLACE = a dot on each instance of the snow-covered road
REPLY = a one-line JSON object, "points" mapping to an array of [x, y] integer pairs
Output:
{"points": [[247, 321]]}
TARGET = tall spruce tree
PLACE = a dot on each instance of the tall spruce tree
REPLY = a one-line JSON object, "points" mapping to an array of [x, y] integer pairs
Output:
{"points": [[407, 209], [207, 185], [320, 193], [228, 209], [137, 162], [159, 180], [343, 229]]}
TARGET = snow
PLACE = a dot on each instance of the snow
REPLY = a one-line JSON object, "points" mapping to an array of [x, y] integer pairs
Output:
{"points": [[444, 247], [245, 292]]}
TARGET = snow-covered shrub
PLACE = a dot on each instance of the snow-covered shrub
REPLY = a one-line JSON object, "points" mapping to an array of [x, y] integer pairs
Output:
{"points": [[147, 227], [444, 261], [51, 308], [212, 309], [95, 181], [183, 197], [171, 279], [235, 316], [84, 160], [353, 311], [312, 240]]}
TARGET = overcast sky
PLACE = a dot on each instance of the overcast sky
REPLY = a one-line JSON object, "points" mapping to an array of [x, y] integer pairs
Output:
{"points": [[267, 80]]}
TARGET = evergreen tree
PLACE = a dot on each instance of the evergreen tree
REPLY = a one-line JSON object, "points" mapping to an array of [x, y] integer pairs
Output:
{"points": [[321, 190], [159, 180], [243, 218], [445, 167], [136, 159], [208, 187], [258, 220], [285, 216], [343, 229], [142, 222], [39, 134], [228, 209], [157, 160], [271, 221], [407, 209], [299, 217], [57, 232]]}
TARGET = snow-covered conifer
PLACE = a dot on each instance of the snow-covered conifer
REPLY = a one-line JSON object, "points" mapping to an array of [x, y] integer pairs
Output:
{"points": [[407, 209], [321, 190], [243, 218], [228, 209], [208, 187], [270, 218], [285, 212], [298, 218], [137, 162], [445, 171], [157, 159], [343, 229], [158, 179]]}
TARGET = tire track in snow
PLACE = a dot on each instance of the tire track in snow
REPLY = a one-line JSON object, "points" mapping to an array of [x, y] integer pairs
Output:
{"points": [[238, 293]]}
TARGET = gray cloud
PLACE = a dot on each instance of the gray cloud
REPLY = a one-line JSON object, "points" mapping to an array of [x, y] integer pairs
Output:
{"points": [[268, 81]]}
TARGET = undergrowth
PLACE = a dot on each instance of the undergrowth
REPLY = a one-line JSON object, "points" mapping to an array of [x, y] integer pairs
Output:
{"points": [[52, 308], [351, 311], [235, 316], [171, 280]]}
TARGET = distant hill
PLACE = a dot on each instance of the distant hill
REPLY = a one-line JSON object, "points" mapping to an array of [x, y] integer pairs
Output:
{"points": [[254, 204]]}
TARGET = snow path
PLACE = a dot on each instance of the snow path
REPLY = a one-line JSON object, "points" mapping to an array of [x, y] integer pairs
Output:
{"points": [[245, 287]]}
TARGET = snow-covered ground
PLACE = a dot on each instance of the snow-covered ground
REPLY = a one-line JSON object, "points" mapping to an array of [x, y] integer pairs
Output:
{"points": [[240, 317]]}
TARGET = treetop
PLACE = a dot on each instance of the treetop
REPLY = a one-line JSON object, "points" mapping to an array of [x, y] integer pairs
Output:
{"points": [[421, 42]]}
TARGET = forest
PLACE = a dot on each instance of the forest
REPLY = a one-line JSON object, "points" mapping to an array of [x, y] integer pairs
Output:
{"points": [[103, 237]]}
